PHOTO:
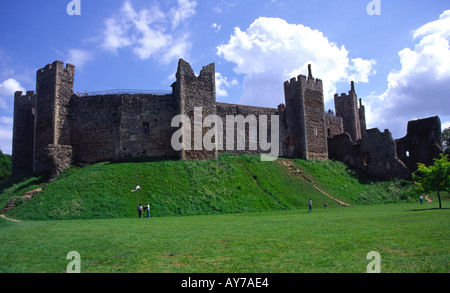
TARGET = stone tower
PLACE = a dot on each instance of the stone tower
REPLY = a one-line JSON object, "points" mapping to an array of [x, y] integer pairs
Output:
{"points": [[23, 133], [346, 107], [305, 118], [196, 96], [54, 89]]}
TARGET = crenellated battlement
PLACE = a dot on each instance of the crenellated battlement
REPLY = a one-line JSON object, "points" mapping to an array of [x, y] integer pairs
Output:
{"points": [[20, 98], [54, 128], [301, 81], [56, 65]]}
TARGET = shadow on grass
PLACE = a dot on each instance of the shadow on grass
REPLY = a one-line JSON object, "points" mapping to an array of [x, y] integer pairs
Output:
{"points": [[143, 160], [39, 179], [429, 209]]}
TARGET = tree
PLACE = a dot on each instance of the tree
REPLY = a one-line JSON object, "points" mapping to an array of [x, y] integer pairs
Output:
{"points": [[446, 140], [434, 178], [5, 166]]}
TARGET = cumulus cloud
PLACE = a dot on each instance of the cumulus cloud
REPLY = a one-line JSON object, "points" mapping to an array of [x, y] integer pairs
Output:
{"points": [[421, 87], [150, 32], [222, 83], [7, 90], [272, 51]]}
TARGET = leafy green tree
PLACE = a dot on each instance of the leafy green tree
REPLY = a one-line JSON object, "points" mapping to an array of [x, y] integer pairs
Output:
{"points": [[446, 140], [5, 166], [434, 178]]}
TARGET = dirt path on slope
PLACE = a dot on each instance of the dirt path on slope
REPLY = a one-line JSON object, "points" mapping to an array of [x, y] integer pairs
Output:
{"points": [[12, 220], [297, 172], [12, 203]]}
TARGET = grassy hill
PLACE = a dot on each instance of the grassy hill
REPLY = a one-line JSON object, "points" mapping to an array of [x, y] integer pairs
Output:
{"points": [[232, 184]]}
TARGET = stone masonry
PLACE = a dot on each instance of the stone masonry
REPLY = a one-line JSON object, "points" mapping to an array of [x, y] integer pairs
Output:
{"points": [[54, 128]]}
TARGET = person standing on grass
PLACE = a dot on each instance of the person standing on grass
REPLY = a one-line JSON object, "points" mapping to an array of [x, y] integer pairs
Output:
{"points": [[325, 205], [421, 199], [148, 210], [140, 210], [310, 206]]}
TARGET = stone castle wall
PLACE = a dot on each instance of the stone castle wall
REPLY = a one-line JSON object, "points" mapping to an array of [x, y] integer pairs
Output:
{"points": [[53, 128], [121, 126], [250, 132], [422, 143]]}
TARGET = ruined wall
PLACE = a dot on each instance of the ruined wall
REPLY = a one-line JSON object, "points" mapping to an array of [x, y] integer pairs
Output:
{"points": [[376, 154], [362, 119], [334, 124], [422, 143], [23, 133], [379, 155], [190, 92], [250, 135]]}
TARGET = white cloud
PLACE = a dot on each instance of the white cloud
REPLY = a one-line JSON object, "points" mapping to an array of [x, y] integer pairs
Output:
{"points": [[216, 27], [445, 125], [421, 87], [272, 51], [184, 11], [222, 84], [441, 26], [7, 90], [79, 57], [148, 33], [115, 36], [6, 126]]}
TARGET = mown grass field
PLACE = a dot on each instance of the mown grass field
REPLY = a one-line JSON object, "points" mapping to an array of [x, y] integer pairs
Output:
{"points": [[410, 238], [233, 215]]}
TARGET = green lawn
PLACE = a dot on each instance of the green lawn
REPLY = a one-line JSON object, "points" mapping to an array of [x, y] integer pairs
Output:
{"points": [[409, 237], [231, 184]]}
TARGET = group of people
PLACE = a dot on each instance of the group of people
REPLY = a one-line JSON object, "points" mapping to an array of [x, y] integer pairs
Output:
{"points": [[310, 206], [85, 94], [147, 208], [140, 210], [325, 204]]}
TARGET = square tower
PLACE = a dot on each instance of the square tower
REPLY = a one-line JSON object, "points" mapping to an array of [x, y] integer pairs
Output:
{"points": [[305, 118], [54, 89], [347, 108]]}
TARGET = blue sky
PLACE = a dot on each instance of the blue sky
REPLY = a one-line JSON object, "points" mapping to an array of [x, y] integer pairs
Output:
{"points": [[399, 60]]}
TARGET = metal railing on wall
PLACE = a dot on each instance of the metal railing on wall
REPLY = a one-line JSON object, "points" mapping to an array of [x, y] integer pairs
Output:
{"points": [[123, 91]]}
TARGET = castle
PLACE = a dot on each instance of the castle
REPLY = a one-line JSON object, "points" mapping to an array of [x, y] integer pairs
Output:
{"points": [[54, 128]]}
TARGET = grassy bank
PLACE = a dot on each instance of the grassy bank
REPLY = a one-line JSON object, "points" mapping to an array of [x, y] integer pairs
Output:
{"points": [[232, 184]]}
